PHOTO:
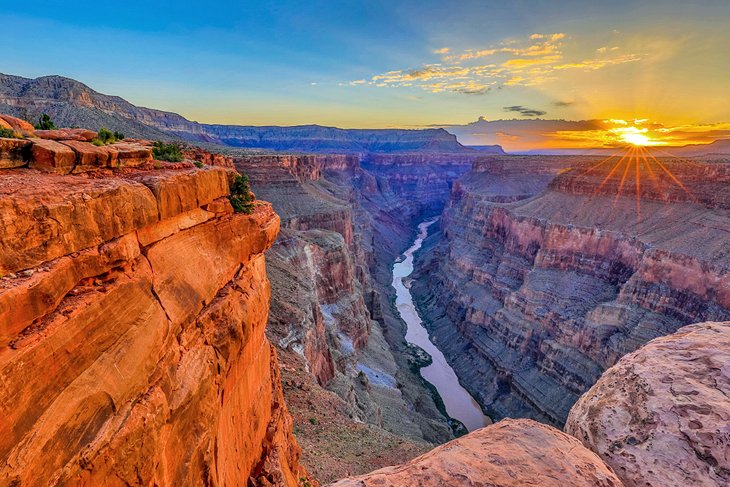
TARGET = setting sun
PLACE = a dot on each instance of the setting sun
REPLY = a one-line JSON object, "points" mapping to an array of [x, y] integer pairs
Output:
{"points": [[637, 139]]}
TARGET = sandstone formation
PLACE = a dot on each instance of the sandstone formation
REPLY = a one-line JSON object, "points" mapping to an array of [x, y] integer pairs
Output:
{"points": [[660, 416], [509, 453], [533, 297], [133, 307]]}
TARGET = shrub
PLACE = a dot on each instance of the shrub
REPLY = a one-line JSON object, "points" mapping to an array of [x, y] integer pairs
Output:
{"points": [[118, 135], [45, 123], [198, 164], [241, 197], [166, 152], [313, 421], [7, 133], [97, 142]]}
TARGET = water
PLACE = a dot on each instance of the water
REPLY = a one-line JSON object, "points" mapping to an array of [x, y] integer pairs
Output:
{"points": [[459, 403]]}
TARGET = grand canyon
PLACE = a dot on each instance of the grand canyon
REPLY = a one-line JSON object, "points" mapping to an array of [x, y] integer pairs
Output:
{"points": [[506, 302]]}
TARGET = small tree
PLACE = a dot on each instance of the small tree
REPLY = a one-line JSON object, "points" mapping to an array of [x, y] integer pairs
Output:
{"points": [[167, 152], [7, 133], [45, 123], [241, 196]]}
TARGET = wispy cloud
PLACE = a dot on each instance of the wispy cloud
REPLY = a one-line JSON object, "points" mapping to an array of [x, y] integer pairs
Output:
{"points": [[527, 62], [524, 111]]}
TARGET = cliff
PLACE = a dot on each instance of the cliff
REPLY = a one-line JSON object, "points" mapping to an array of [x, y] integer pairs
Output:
{"points": [[133, 304], [72, 103], [332, 318], [533, 297]]}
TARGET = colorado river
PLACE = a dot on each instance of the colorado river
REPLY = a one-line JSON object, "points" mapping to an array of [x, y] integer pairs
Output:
{"points": [[458, 402]]}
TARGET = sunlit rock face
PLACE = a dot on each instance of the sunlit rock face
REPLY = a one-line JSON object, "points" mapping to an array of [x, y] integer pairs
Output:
{"points": [[660, 415], [132, 346], [533, 288]]}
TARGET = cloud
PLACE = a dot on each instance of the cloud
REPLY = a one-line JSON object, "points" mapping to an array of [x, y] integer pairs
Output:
{"points": [[532, 61], [563, 104], [524, 111]]}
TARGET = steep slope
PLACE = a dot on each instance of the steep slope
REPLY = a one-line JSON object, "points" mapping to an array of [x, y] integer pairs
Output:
{"points": [[72, 103], [532, 298], [133, 304]]}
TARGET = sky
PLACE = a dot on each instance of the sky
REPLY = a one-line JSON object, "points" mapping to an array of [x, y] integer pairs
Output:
{"points": [[624, 69]]}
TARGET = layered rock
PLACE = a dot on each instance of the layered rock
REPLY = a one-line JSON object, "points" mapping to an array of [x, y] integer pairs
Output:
{"points": [[532, 298], [422, 178], [660, 415], [341, 227], [132, 344], [509, 453]]}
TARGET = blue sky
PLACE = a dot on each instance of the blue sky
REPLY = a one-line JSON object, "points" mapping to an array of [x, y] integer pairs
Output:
{"points": [[380, 64]]}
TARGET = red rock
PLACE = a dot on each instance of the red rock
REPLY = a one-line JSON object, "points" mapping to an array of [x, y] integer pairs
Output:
{"points": [[660, 415], [52, 156], [20, 126], [132, 154], [5, 125], [509, 453], [14, 152], [67, 134], [89, 156]]}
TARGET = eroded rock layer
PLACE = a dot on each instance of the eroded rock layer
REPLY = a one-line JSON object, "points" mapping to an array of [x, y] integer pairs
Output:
{"points": [[533, 297], [132, 348], [660, 415]]}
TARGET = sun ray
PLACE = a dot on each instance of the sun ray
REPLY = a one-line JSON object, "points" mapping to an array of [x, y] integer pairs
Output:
{"points": [[623, 178], [672, 176], [613, 170]]}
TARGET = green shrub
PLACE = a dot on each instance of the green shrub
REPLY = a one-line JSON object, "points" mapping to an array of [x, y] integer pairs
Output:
{"points": [[118, 135], [313, 421], [8, 133], [241, 197], [198, 164], [97, 142], [106, 136], [167, 152], [45, 123]]}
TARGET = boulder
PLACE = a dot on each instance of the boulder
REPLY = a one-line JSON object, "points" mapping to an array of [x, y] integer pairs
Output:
{"points": [[661, 415], [90, 157], [67, 134], [132, 154], [20, 126], [14, 152], [518, 452], [52, 156]]}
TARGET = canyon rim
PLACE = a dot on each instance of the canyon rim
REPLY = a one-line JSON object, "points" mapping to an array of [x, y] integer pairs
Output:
{"points": [[308, 265]]}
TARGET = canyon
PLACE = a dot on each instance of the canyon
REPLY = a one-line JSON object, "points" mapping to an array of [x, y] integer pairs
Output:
{"points": [[546, 270], [151, 335]]}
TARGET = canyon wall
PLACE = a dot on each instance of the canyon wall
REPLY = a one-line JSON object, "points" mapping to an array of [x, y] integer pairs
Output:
{"points": [[133, 306], [332, 312], [533, 297]]}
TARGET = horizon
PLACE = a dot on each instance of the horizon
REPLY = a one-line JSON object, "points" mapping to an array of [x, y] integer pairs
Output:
{"points": [[646, 74]]}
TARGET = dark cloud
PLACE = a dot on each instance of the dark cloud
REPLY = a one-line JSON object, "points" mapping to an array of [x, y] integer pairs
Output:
{"points": [[563, 104], [524, 111]]}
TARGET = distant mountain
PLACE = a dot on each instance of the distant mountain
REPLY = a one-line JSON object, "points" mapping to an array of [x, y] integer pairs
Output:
{"points": [[72, 103]]}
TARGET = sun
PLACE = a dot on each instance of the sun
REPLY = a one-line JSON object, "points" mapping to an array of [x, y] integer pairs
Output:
{"points": [[637, 139]]}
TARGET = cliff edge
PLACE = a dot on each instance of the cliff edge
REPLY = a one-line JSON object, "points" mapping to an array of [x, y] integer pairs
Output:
{"points": [[133, 303]]}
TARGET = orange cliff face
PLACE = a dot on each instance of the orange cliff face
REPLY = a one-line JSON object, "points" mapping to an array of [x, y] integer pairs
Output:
{"points": [[132, 345]]}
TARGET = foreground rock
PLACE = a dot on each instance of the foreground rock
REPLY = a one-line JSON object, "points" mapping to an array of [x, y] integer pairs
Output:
{"points": [[661, 415], [126, 358], [509, 453]]}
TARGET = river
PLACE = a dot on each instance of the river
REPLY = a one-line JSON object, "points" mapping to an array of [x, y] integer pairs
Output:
{"points": [[458, 402]]}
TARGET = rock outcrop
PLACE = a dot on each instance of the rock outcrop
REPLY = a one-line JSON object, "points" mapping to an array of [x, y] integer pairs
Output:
{"points": [[133, 306], [510, 453], [660, 416], [533, 297]]}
